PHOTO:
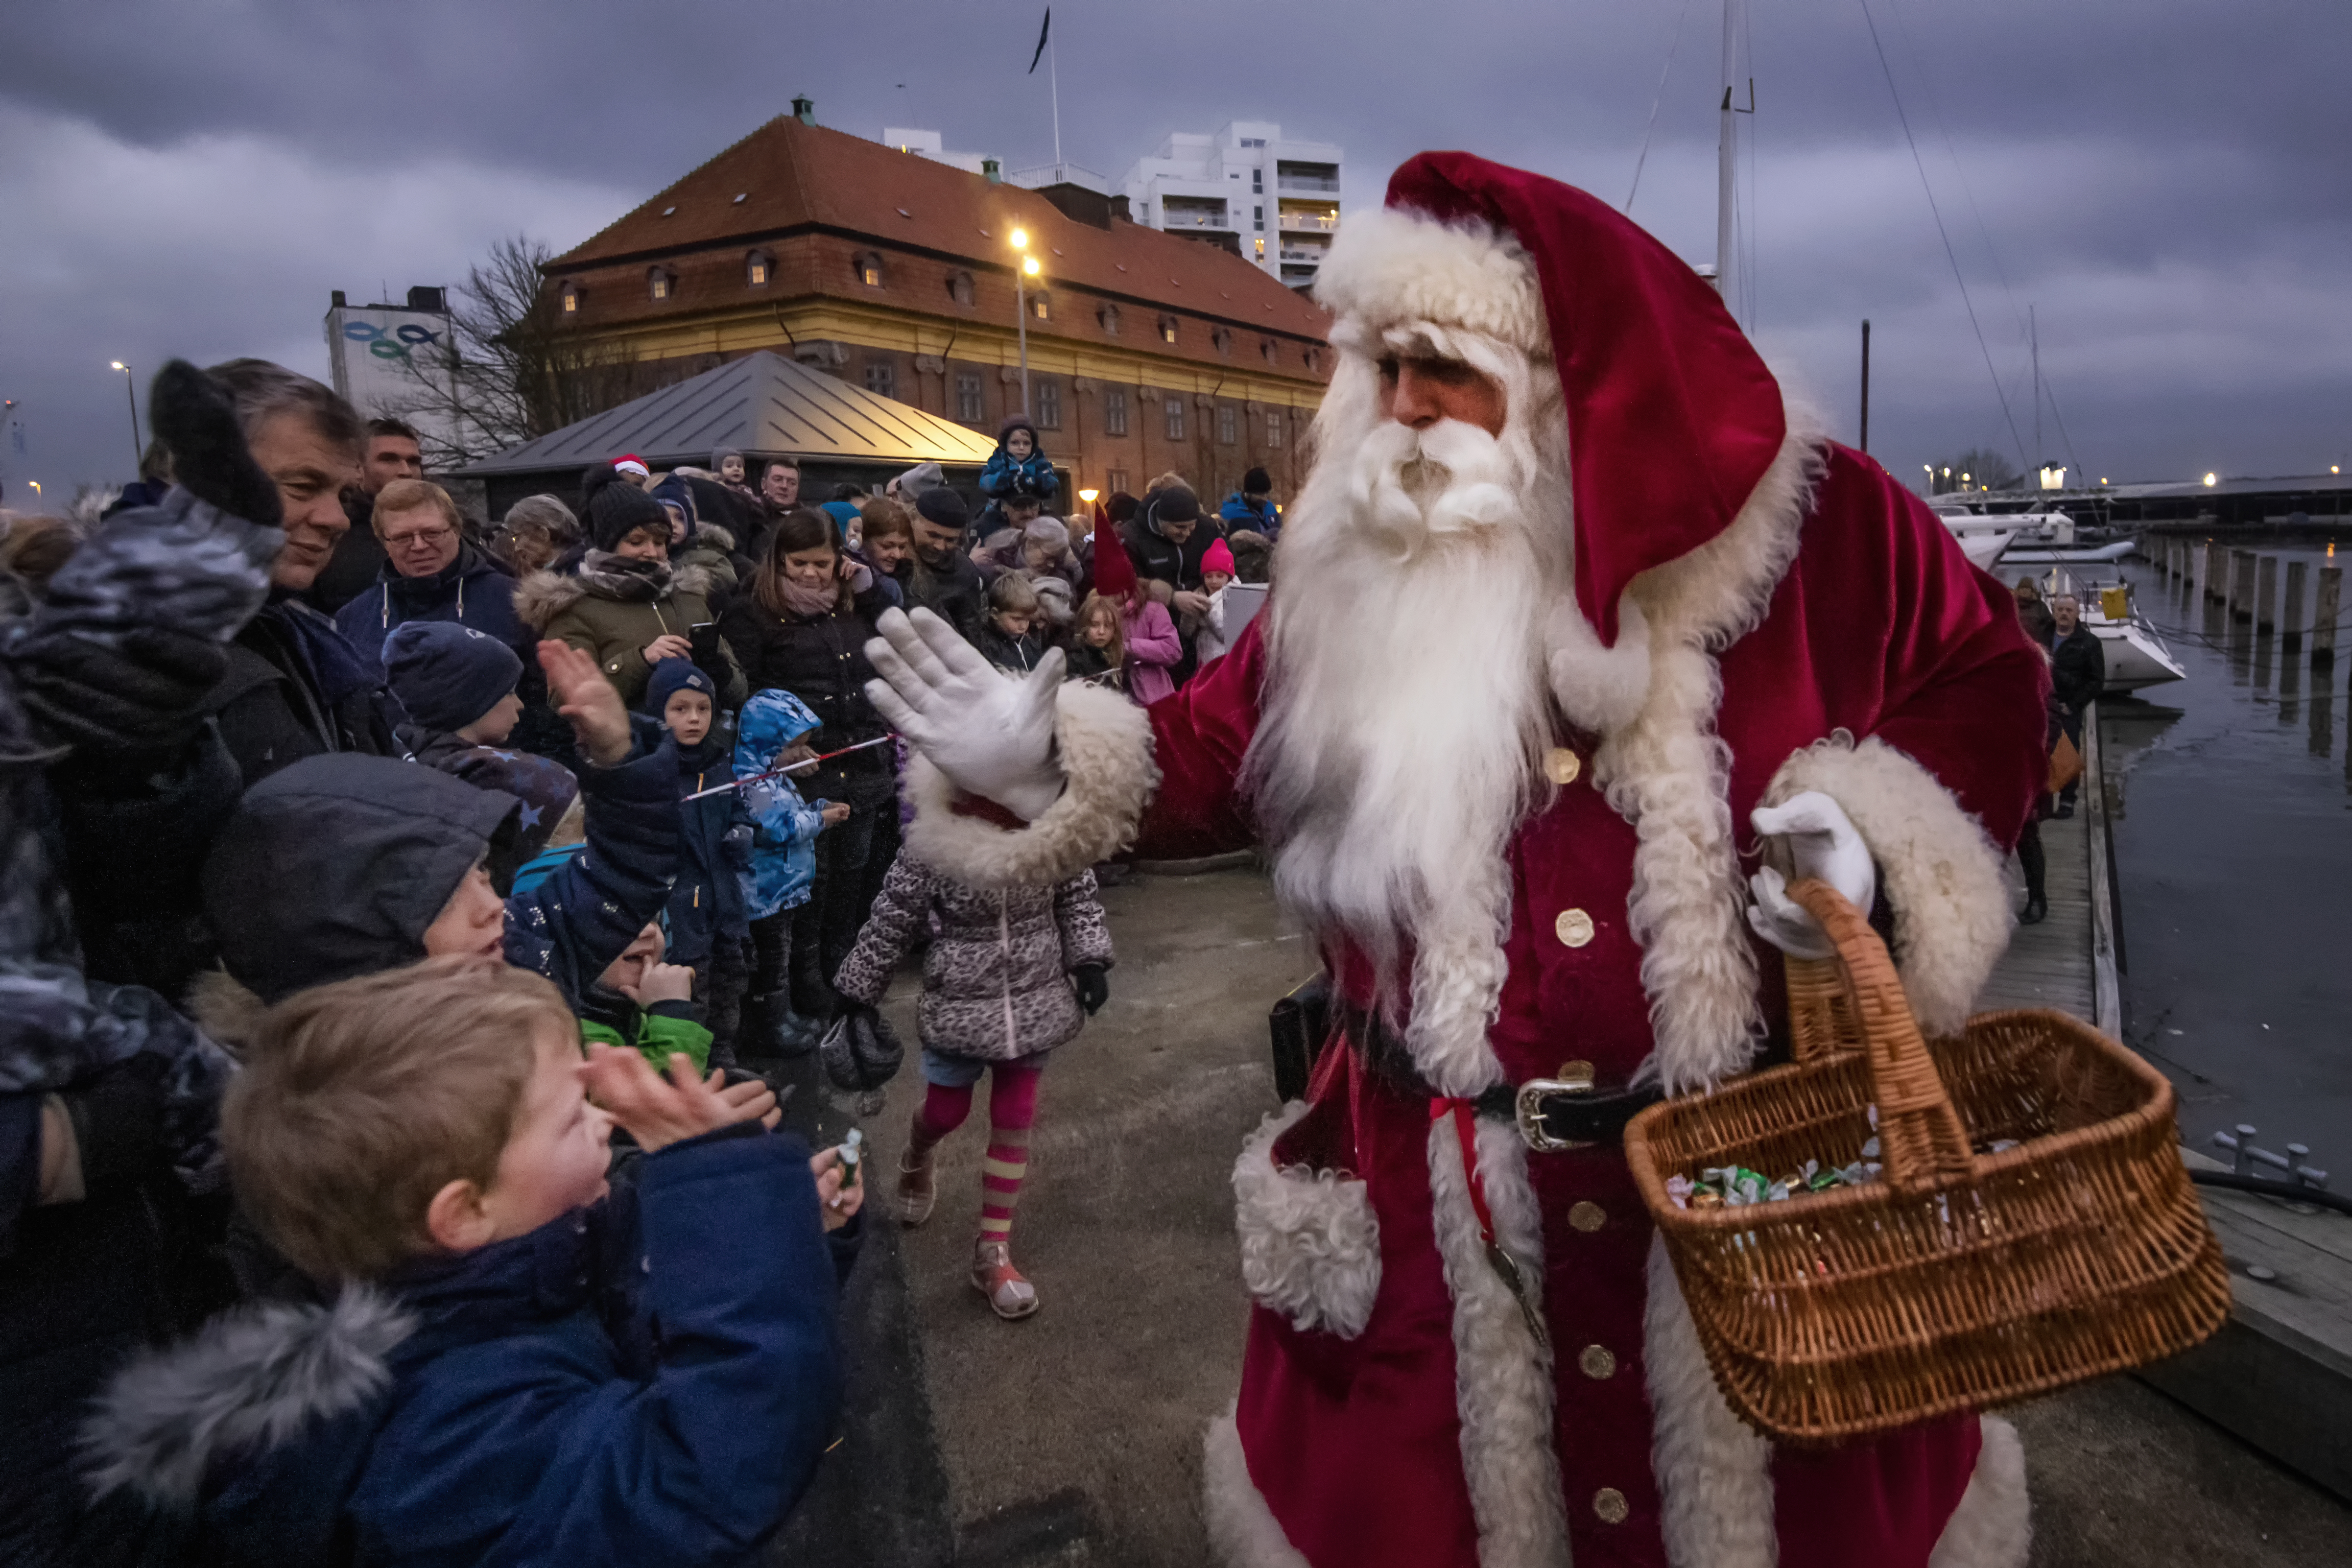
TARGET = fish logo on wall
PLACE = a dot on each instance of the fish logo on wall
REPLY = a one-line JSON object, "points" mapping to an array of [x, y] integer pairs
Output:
{"points": [[394, 345]]}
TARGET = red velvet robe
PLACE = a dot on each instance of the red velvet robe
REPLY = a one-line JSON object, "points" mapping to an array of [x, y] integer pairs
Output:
{"points": [[1878, 628]]}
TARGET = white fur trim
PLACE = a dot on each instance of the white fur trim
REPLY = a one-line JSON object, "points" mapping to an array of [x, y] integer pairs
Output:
{"points": [[1392, 265], [1502, 1378], [1105, 746], [1668, 772], [1310, 1242], [1993, 1526], [1942, 873], [1242, 1532], [1714, 1471]]}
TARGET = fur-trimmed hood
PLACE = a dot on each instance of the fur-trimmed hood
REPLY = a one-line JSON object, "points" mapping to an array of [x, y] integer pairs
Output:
{"points": [[250, 1383], [546, 593]]}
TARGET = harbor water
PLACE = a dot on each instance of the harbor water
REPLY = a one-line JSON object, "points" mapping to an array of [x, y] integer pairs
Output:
{"points": [[2231, 797]]}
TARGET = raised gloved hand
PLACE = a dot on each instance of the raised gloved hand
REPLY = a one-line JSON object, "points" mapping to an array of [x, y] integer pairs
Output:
{"points": [[194, 418], [1823, 842], [1093, 987], [991, 733]]}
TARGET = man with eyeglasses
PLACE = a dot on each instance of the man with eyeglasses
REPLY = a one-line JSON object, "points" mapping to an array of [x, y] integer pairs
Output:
{"points": [[431, 573]]}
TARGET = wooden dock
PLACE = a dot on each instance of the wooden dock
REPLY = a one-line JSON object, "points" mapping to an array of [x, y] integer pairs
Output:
{"points": [[2279, 1375]]}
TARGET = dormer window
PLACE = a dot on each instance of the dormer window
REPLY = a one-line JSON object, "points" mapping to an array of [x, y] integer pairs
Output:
{"points": [[1270, 350], [1040, 305], [960, 288], [1107, 318], [660, 282], [1222, 340], [868, 264], [570, 295], [1167, 329], [758, 267]]}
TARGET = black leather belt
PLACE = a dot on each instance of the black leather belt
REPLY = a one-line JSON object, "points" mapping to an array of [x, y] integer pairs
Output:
{"points": [[1571, 1111]]}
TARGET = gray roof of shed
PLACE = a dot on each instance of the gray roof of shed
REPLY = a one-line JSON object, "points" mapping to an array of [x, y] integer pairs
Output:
{"points": [[762, 404]]}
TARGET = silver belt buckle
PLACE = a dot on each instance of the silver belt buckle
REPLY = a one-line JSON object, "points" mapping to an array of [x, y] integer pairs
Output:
{"points": [[1527, 1107]]}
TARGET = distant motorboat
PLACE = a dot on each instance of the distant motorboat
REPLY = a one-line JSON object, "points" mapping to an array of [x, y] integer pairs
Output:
{"points": [[2067, 555], [1982, 538], [2136, 655]]}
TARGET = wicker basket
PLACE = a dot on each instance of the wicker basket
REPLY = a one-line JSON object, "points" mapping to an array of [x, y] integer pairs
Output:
{"points": [[1957, 1280]]}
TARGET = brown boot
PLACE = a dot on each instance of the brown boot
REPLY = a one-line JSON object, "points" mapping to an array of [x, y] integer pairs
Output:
{"points": [[1009, 1295], [917, 1191]]}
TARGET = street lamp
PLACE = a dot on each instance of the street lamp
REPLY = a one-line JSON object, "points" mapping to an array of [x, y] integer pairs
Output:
{"points": [[1021, 276], [131, 391]]}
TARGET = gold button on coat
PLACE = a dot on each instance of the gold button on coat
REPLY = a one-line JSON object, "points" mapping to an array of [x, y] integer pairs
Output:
{"points": [[1562, 765], [1588, 1216], [1574, 927], [1596, 1362], [1609, 1504]]}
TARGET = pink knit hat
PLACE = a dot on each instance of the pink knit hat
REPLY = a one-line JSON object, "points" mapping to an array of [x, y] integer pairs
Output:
{"points": [[1218, 558]]}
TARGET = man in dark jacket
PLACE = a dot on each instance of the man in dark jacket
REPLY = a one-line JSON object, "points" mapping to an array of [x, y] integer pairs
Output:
{"points": [[2078, 668], [430, 573], [296, 687], [392, 453], [1166, 539], [941, 577], [1252, 507]]}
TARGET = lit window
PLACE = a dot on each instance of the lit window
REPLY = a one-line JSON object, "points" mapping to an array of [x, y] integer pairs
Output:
{"points": [[1274, 430], [756, 268], [1115, 415], [1042, 306], [659, 282], [869, 266], [1174, 410], [1049, 405], [1228, 425], [571, 299], [1167, 329], [970, 407], [1261, 248]]}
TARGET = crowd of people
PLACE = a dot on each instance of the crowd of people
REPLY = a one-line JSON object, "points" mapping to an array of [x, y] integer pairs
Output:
{"points": [[411, 924]]}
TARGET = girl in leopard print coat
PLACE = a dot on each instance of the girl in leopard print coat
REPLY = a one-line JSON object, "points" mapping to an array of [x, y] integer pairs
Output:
{"points": [[1010, 975]]}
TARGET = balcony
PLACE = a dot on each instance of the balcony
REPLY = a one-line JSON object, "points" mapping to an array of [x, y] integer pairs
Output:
{"points": [[1175, 218], [1318, 223], [1311, 257]]}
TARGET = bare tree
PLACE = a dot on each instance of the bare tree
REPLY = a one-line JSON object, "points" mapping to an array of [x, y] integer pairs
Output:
{"points": [[515, 369], [1978, 467]]}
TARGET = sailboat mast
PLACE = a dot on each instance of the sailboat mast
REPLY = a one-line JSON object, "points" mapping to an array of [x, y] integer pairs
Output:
{"points": [[1726, 148], [2033, 338]]}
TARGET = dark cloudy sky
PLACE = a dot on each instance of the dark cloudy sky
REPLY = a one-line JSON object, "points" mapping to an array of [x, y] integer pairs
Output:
{"points": [[2165, 180]]}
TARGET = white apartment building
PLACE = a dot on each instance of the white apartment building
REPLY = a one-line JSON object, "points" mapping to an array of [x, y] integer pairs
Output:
{"points": [[1276, 203]]}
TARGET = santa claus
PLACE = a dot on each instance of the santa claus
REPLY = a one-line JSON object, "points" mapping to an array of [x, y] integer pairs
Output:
{"points": [[1571, 597]]}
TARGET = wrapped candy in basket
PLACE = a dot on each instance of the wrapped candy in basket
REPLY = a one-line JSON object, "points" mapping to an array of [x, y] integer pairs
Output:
{"points": [[2021, 1220]]}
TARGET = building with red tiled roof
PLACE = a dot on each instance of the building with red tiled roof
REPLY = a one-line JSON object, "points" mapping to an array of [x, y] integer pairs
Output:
{"points": [[1148, 352]]}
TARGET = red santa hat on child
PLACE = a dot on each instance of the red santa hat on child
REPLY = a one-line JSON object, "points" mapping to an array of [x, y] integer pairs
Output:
{"points": [[1672, 417], [1113, 572]]}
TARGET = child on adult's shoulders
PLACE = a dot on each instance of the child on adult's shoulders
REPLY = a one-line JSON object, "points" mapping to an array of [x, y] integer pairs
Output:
{"points": [[1019, 465], [519, 1360]]}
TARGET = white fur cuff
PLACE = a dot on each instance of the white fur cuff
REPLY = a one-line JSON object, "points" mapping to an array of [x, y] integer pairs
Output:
{"points": [[1242, 1532], [1942, 875], [1310, 1242], [1390, 265], [1993, 1526], [1104, 745]]}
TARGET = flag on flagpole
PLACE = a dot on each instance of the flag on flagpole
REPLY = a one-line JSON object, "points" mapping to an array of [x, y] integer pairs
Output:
{"points": [[1042, 34]]}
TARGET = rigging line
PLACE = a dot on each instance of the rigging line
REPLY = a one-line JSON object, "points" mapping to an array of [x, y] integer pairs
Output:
{"points": [[1672, 43], [1941, 232]]}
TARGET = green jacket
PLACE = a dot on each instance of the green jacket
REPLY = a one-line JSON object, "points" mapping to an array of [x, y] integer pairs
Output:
{"points": [[614, 632], [660, 1036]]}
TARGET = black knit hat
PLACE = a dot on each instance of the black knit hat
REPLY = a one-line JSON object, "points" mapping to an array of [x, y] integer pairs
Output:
{"points": [[447, 675], [1256, 483], [612, 508], [1174, 504], [943, 507]]}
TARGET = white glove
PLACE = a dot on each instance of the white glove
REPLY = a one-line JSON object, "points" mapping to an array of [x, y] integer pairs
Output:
{"points": [[1823, 843], [991, 733]]}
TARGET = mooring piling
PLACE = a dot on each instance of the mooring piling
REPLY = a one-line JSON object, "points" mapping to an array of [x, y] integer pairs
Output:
{"points": [[2242, 584], [2323, 616], [2267, 593], [2291, 613]]}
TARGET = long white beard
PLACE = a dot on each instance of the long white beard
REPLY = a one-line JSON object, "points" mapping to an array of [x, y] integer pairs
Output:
{"points": [[1407, 710]]}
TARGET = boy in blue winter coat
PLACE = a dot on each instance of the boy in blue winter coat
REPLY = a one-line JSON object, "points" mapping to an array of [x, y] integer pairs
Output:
{"points": [[520, 1364], [768, 735], [708, 927], [1018, 466]]}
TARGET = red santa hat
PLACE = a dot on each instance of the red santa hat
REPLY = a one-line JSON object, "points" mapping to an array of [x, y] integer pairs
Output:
{"points": [[1672, 417], [1113, 572], [633, 465]]}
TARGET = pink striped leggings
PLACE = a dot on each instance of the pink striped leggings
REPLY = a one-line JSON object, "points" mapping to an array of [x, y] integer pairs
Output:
{"points": [[1011, 1112]]}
